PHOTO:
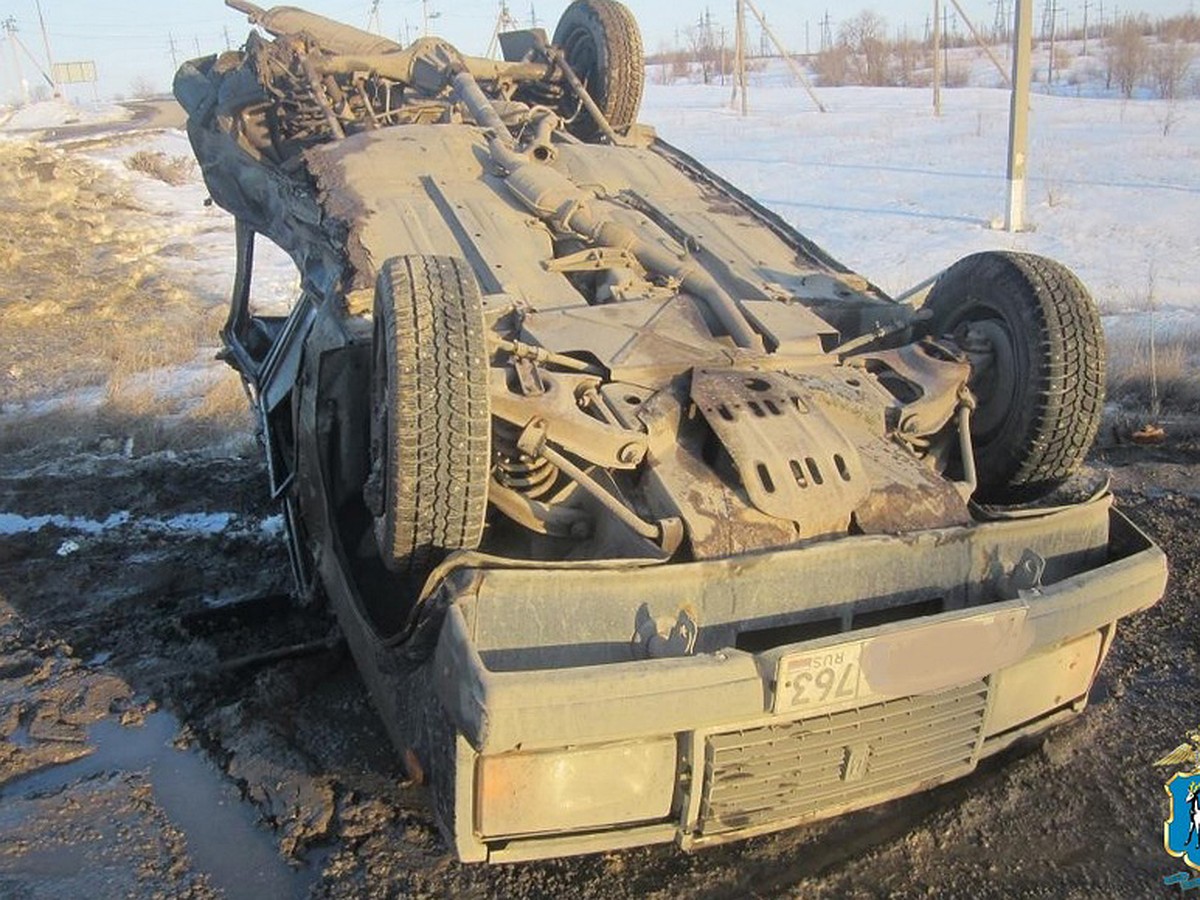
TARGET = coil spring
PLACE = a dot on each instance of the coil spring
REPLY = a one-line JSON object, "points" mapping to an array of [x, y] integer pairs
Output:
{"points": [[532, 477]]}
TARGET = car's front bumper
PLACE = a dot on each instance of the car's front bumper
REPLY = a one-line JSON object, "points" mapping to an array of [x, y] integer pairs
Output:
{"points": [[565, 742]]}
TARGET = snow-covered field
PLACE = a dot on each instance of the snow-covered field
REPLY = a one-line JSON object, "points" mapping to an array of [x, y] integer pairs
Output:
{"points": [[898, 194], [880, 182]]}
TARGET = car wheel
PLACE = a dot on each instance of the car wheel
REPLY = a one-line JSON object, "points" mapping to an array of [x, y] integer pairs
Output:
{"points": [[601, 43], [1037, 347], [430, 421]]}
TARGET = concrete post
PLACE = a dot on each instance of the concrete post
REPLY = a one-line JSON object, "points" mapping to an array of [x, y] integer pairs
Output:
{"points": [[937, 58], [1018, 117]]}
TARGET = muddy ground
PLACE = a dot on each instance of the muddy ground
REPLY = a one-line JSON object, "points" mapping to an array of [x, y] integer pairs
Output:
{"points": [[172, 725]]}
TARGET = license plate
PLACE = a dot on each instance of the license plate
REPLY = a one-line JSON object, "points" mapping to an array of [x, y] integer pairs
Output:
{"points": [[904, 662], [821, 680]]}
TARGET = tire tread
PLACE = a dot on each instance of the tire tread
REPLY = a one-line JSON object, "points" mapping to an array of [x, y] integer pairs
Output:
{"points": [[439, 423]]}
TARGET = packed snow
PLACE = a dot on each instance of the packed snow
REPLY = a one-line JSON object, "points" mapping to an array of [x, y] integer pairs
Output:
{"points": [[898, 194], [193, 523], [57, 113]]}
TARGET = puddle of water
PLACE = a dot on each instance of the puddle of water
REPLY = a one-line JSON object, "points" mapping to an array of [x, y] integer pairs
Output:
{"points": [[21, 737], [240, 858]]}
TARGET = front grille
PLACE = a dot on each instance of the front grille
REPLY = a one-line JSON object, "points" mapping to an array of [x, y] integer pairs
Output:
{"points": [[794, 770]]}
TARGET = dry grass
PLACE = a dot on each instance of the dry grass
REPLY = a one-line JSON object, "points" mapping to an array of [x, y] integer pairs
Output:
{"points": [[1177, 358], [136, 413], [173, 170], [99, 321]]}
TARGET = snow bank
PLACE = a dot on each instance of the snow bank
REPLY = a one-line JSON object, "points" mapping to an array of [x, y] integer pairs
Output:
{"points": [[59, 112], [194, 237]]}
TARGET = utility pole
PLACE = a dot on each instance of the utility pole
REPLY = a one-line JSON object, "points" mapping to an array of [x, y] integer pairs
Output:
{"points": [[826, 33], [10, 28], [937, 58], [739, 56], [945, 42], [228, 41], [1018, 116], [174, 53], [373, 22], [797, 70], [1086, 4], [426, 15], [983, 45], [722, 56], [1053, 29], [46, 43], [1000, 26], [505, 21]]}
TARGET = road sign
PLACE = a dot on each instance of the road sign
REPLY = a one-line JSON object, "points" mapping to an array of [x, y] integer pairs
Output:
{"points": [[75, 72]]}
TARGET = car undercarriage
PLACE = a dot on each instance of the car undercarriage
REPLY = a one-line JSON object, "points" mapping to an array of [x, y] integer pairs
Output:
{"points": [[646, 519]]}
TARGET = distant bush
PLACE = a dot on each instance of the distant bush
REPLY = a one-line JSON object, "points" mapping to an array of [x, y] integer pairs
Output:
{"points": [[1169, 65], [958, 74], [174, 170], [1128, 55], [909, 59], [1180, 28], [869, 53], [833, 66], [1136, 51], [1176, 356]]}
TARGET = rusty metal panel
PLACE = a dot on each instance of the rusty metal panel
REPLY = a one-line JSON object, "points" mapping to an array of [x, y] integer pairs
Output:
{"points": [[794, 461]]}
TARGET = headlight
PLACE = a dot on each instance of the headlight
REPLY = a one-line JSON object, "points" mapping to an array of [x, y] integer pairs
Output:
{"points": [[576, 789]]}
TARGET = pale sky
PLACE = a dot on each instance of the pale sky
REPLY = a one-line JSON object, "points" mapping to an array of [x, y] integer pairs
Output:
{"points": [[131, 39]]}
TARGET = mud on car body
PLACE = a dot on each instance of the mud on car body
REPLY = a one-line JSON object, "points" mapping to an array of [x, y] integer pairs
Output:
{"points": [[645, 519]]}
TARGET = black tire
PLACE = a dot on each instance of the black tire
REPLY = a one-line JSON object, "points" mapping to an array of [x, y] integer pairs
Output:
{"points": [[430, 421], [1041, 399], [602, 44]]}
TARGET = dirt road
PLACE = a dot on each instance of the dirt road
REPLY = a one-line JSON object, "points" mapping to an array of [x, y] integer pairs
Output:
{"points": [[171, 725]]}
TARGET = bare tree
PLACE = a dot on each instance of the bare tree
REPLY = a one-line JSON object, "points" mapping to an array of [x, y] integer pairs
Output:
{"points": [[1128, 55], [865, 36], [1169, 65], [142, 88], [704, 48], [832, 65], [909, 57]]}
